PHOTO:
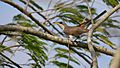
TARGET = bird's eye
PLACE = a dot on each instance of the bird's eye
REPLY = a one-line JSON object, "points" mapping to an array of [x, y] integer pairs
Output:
{"points": [[61, 22]]}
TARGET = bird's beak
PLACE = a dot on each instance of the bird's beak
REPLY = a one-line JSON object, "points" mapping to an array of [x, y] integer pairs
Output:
{"points": [[55, 22], [59, 24]]}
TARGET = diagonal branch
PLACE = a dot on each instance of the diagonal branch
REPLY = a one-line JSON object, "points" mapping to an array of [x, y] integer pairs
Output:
{"points": [[90, 33], [116, 60], [52, 38], [105, 16], [27, 14]]}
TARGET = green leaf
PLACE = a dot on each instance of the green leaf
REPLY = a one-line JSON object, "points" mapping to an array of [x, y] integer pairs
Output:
{"points": [[23, 21], [65, 56], [71, 15], [112, 3], [104, 39], [113, 26], [111, 23], [36, 60], [5, 48], [59, 6], [102, 30], [71, 18], [70, 10], [35, 47], [61, 64], [110, 20], [61, 50], [84, 9], [96, 42]]}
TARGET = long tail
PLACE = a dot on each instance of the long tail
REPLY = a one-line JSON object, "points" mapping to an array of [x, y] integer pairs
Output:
{"points": [[87, 21]]}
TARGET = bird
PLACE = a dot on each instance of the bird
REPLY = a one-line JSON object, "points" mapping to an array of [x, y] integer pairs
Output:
{"points": [[79, 29], [72, 30]]}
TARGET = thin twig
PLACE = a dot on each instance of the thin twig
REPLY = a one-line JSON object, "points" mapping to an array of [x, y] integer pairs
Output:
{"points": [[27, 5], [14, 52], [3, 40], [48, 8], [80, 54], [9, 47], [10, 60]]}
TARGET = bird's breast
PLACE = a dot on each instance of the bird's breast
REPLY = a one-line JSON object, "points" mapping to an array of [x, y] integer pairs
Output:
{"points": [[75, 31]]}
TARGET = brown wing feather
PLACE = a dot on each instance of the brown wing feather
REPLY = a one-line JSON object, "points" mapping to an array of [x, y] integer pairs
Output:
{"points": [[74, 30]]}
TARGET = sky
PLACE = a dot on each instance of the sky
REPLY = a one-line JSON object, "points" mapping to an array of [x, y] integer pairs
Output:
{"points": [[6, 14]]}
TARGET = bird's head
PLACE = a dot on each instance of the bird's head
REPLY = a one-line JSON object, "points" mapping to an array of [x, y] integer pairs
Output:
{"points": [[60, 24]]}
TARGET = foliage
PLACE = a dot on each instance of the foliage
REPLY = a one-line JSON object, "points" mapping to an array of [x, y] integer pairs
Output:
{"points": [[112, 3], [71, 13], [23, 21], [61, 64], [35, 47], [74, 14]]}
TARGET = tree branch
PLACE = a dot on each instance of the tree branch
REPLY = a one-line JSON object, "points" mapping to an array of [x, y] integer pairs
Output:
{"points": [[116, 60], [105, 16], [27, 14], [42, 16], [91, 48], [52, 38], [89, 40], [90, 33]]}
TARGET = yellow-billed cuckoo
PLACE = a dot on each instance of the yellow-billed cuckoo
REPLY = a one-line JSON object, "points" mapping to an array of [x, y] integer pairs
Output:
{"points": [[72, 30], [79, 29]]}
